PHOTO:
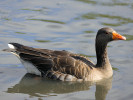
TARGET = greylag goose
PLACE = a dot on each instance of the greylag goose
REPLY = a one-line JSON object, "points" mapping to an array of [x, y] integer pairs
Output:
{"points": [[66, 66]]}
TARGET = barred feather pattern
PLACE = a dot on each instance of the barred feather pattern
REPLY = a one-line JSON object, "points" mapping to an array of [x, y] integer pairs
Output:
{"points": [[58, 65]]}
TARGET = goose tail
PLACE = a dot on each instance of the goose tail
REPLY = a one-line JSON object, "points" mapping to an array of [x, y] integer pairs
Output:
{"points": [[14, 45], [13, 48]]}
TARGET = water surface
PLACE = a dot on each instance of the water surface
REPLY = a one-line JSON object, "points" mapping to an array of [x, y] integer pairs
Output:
{"points": [[65, 25]]}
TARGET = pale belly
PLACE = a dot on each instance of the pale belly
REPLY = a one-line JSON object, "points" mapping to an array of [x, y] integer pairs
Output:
{"points": [[30, 68]]}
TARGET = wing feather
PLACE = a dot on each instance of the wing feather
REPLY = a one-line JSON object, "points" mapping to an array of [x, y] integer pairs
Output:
{"points": [[58, 61]]}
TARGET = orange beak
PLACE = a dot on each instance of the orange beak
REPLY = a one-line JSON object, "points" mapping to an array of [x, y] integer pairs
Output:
{"points": [[117, 36]]}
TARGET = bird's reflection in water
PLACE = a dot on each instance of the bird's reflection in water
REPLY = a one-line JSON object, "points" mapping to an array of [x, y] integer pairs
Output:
{"points": [[39, 87]]}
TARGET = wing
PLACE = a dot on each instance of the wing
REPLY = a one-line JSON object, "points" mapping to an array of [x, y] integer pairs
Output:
{"points": [[56, 62]]}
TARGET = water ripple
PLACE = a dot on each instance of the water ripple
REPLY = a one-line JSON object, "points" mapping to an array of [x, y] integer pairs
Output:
{"points": [[50, 21]]}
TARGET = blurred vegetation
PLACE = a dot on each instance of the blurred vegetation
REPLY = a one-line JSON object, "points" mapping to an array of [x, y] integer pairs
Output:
{"points": [[42, 41]]}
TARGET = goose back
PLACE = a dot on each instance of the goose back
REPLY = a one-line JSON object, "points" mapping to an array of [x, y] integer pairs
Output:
{"points": [[61, 65]]}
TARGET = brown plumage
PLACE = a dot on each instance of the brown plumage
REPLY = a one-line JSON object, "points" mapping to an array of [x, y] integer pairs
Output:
{"points": [[66, 66]]}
